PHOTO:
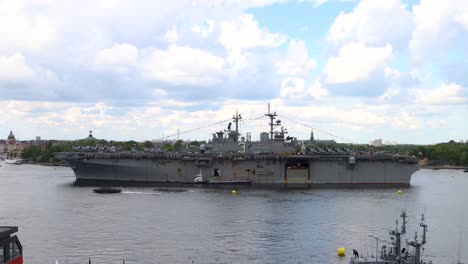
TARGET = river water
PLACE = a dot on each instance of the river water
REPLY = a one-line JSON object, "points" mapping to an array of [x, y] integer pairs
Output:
{"points": [[58, 219]]}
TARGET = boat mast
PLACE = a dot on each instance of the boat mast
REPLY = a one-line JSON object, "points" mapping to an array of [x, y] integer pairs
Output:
{"points": [[272, 117], [397, 234], [416, 244], [236, 119]]}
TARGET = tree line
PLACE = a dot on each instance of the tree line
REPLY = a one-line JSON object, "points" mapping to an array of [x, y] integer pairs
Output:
{"points": [[451, 152], [44, 153]]}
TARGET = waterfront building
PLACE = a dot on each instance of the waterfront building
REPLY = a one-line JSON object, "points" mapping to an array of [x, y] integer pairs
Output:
{"points": [[14, 148], [376, 142]]}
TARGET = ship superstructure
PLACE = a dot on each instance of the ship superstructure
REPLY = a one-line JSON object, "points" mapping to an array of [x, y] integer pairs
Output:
{"points": [[274, 160]]}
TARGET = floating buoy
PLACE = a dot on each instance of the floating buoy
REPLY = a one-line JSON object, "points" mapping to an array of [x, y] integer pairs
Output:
{"points": [[233, 191], [341, 251], [399, 192]]}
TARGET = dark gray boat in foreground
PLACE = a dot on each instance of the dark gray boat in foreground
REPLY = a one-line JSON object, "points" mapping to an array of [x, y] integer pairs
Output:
{"points": [[228, 157]]}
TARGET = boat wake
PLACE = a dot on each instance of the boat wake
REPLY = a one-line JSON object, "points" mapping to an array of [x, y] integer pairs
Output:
{"points": [[145, 193]]}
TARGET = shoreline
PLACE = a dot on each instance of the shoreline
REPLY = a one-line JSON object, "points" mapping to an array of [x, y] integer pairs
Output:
{"points": [[50, 164], [444, 167]]}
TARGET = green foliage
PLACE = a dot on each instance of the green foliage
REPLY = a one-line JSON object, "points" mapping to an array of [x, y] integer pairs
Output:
{"points": [[44, 153], [31, 153], [464, 158], [196, 143], [445, 151], [396, 149], [130, 145], [456, 153], [172, 147], [147, 144], [177, 145], [36, 153]]}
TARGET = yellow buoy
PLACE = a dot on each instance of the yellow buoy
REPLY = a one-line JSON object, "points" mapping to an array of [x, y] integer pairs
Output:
{"points": [[341, 251], [233, 191]]}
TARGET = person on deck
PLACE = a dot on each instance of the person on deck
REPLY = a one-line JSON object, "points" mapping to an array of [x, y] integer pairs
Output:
{"points": [[355, 253]]}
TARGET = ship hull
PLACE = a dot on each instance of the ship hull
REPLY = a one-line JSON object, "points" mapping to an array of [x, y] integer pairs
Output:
{"points": [[259, 170]]}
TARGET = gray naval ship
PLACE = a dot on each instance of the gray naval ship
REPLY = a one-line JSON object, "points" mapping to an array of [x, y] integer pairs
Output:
{"points": [[395, 253], [229, 158]]}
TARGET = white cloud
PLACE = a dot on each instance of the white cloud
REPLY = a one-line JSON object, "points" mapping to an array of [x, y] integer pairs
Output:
{"points": [[360, 117], [242, 34], [182, 65], [204, 29], [389, 94], [159, 92], [34, 81], [292, 88], [171, 35], [119, 58], [356, 62], [372, 22], [186, 47], [391, 74], [437, 123], [317, 3], [316, 90], [15, 68], [445, 94], [22, 32], [406, 120], [438, 25], [296, 61]]}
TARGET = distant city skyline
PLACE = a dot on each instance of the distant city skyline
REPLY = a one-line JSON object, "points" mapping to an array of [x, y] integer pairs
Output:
{"points": [[355, 71]]}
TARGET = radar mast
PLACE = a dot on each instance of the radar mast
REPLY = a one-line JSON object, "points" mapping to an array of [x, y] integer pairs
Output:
{"points": [[272, 117], [236, 119]]}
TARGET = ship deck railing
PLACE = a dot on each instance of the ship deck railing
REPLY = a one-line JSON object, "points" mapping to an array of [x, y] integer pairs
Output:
{"points": [[239, 156]]}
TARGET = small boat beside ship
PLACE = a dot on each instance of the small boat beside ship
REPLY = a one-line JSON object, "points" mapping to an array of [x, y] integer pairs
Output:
{"points": [[198, 179], [108, 190], [15, 161]]}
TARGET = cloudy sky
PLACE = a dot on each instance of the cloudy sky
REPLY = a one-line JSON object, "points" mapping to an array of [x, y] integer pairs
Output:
{"points": [[357, 70]]}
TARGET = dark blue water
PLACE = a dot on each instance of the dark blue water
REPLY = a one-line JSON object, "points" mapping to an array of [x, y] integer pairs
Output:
{"points": [[57, 219]]}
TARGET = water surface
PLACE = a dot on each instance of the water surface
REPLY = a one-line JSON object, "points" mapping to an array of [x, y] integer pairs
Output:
{"points": [[58, 219]]}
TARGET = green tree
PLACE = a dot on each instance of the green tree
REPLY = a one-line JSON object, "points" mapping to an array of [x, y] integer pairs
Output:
{"points": [[464, 158], [177, 145], [147, 144]]}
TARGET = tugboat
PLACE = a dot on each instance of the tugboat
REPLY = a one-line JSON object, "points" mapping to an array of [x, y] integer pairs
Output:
{"points": [[198, 179], [11, 250], [396, 254]]}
